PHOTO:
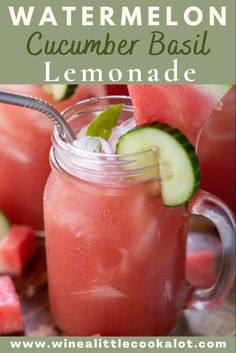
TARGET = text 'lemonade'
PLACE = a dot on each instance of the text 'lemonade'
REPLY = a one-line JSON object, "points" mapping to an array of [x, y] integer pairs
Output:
{"points": [[115, 253]]}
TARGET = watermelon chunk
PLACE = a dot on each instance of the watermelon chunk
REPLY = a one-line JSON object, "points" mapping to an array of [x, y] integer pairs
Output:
{"points": [[10, 309], [185, 107], [16, 249], [201, 268]]}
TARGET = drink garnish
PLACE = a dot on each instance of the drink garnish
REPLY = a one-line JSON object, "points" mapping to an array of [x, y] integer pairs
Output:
{"points": [[178, 162], [103, 124]]}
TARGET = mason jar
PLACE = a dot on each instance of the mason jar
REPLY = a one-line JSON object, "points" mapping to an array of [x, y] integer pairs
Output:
{"points": [[115, 254]]}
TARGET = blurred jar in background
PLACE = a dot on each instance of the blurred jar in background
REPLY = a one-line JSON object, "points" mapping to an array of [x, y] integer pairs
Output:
{"points": [[217, 151], [25, 140]]}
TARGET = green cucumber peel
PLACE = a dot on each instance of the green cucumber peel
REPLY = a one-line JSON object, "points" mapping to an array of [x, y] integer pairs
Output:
{"points": [[175, 151], [103, 124], [4, 225]]}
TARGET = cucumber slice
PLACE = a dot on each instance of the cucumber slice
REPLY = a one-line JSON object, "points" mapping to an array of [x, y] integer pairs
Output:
{"points": [[59, 92], [4, 225], [178, 163]]}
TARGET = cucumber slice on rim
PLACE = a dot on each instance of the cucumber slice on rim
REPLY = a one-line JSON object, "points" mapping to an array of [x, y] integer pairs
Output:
{"points": [[4, 225], [60, 92], [178, 163]]}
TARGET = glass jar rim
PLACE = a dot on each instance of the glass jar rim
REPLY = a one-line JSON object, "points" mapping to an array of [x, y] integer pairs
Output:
{"points": [[102, 165]]}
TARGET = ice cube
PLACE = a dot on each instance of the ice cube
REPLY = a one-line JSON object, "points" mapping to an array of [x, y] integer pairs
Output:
{"points": [[127, 125], [92, 144], [83, 131], [119, 131], [105, 146], [88, 143]]}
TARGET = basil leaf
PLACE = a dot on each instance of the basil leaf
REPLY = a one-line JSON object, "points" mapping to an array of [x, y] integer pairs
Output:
{"points": [[103, 124]]}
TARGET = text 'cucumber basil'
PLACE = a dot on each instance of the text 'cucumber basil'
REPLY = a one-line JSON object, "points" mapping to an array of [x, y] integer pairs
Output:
{"points": [[178, 163]]}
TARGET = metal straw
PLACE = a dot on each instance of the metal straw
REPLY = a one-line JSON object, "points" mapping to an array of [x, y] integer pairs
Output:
{"points": [[41, 106]]}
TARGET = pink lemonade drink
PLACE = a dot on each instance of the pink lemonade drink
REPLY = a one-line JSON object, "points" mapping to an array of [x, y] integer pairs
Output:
{"points": [[217, 151], [115, 253], [108, 274], [24, 145]]}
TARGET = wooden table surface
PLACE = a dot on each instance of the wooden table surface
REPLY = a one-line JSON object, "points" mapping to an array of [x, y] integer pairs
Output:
{"points": [[32, 289]]}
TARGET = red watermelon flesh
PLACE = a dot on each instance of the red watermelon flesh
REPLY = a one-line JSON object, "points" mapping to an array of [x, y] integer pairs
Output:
{"points": [[10, 309], [201, 268], [185, 107], [16, 249]]}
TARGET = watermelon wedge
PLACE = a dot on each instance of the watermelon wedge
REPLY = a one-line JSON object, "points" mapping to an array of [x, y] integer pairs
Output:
{"points": [[201, 269], [185, 107], [11, 320], [16, 249]]}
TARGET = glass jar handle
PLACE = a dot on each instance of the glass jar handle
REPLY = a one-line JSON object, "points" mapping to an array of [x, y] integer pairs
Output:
{"points": [[211, 207]]}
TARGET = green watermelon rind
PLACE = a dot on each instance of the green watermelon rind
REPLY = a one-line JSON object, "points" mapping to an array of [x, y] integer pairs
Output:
{"points": [[4, 225]]}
